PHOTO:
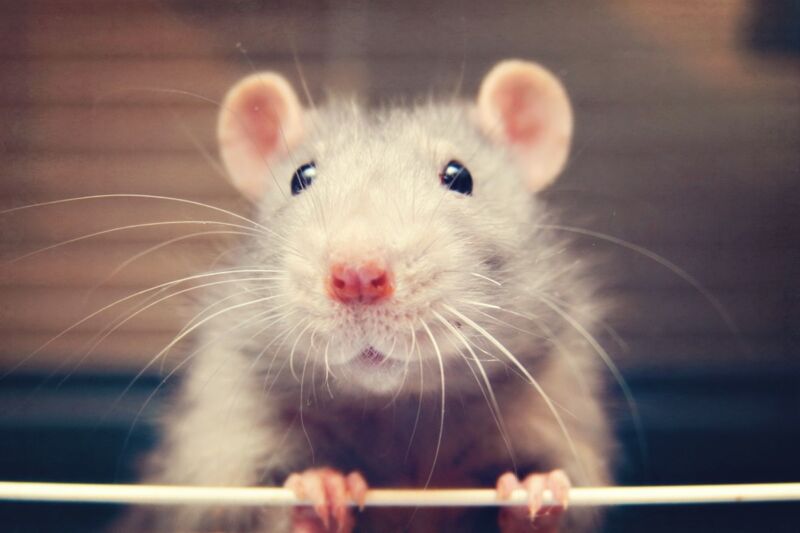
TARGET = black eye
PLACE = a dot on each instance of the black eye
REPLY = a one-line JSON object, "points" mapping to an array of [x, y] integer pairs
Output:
{"points": [[456, 177], [303, 177]]}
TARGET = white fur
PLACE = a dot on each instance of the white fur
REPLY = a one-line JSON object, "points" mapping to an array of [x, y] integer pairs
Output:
{"points": [[242, 417]]}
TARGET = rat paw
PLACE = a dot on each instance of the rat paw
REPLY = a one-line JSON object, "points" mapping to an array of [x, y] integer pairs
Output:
{"points": [[547, 518], [329, 492]]}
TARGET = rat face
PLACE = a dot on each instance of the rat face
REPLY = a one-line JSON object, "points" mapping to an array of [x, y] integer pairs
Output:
{"points": [[381, 224]]}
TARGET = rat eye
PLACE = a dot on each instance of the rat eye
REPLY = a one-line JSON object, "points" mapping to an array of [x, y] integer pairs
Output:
{"points": [[303, 177], [456, 177]]}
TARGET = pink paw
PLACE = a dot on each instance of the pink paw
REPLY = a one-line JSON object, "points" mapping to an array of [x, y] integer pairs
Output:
{"points": [[329, 492], [547, 518]]}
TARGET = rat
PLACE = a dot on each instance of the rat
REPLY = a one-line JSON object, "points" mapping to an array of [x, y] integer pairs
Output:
{"points": [[403, 317]]}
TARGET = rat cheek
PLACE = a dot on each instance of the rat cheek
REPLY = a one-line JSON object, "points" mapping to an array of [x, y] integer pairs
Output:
{"points": [[299, 276], [300, 248], [427, 280]]}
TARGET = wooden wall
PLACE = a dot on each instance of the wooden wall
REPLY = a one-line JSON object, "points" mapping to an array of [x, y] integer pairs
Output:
{"points": [[687, 144]]}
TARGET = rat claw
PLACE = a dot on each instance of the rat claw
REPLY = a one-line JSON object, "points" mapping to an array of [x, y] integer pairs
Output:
{"points": [[315, 491], [357, 486], [337, 497], [559, 485], [556, 482], [294, 483], [309, 486], [519, 518], [535, 484], [507, 484], [329, 493]]}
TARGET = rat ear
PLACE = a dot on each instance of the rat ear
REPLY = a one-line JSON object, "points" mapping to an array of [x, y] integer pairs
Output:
{"points": [[260, 121], [524, 106]]}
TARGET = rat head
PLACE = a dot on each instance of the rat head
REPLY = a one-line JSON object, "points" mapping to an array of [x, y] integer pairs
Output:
{"points": [[389, 227]]}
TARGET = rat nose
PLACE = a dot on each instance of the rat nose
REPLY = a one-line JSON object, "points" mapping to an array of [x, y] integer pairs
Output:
{"points": [[366, 283]]}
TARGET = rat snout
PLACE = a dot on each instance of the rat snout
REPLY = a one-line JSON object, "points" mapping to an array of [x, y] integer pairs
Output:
{"points": [[366, 283]]}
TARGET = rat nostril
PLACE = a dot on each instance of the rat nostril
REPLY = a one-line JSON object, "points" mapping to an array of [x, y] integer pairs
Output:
{"points": [[378, 282], [338, 283]]}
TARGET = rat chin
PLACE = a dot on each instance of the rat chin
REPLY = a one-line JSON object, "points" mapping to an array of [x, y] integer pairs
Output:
{"points": [[374, 370]]}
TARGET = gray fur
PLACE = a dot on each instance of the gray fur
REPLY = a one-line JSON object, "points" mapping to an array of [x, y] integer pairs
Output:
{"points": [[237, 418]]}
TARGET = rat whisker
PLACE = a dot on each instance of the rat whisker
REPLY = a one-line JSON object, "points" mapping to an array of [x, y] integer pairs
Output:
{"points": [[268, 317], [178, 367], [291, 353], [392, 347], [312, 348], [314, 367], [114, 92], [545, 397], [123, 265], [304, 83], [117, 229], [443, 399], [487, 278], [108, 331], [613, 333], [270, 321], [214, 163], [239, 250], [180, 337], [275, 352], [669, 265], [256, 225], [279, 338], [486, 387], [85, 319], [462, 71], [506, 323], [312, 338], [612, 367], [401, 385], [191, 289], [568, 356], [179, 121], [328, 372], [481, 304], [265, 322], [216, 303], [421, 389], [303, 400], [202, 150], [549, 336]]}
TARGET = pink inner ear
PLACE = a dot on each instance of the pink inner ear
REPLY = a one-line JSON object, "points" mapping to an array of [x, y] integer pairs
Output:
{"points": [[261, 114], [517, 105]]}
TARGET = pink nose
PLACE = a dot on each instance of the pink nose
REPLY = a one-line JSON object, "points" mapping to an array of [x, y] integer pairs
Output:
{"points": [[366, 283]]}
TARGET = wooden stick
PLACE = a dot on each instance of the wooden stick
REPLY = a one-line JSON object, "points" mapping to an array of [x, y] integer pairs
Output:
{"points": [[270, 496]]}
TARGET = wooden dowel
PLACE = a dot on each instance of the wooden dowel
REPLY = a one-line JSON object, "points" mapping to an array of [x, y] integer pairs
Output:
{"points": [[270, 496]]}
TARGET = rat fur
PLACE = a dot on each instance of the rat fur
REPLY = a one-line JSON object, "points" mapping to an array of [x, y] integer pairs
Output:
{"points": [[439, 385]]}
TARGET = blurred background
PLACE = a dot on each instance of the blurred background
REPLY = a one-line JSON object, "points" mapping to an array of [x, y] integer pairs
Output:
{"points": [[687, 143]]}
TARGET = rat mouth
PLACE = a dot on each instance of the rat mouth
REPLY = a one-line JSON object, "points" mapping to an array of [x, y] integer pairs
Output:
{"points": [[369, 356], [374, 371]]}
